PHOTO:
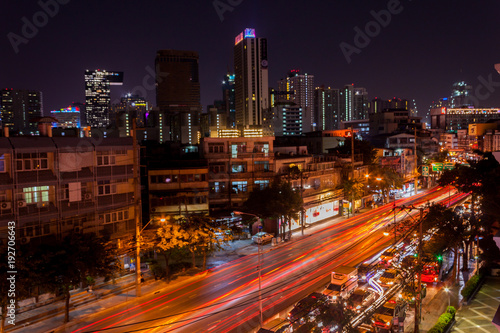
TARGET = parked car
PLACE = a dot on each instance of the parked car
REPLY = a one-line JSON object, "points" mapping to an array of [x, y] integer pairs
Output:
{"points": [[262, 237], [360, 300], [388, 278], [365, 271]]}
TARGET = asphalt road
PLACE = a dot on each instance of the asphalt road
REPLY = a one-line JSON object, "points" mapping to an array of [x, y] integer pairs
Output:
{"points": [[226, 299]]}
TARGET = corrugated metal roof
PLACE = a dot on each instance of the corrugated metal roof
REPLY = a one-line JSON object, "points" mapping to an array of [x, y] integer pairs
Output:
{"points": [[72, 144], [33, 143], [5, 144]]}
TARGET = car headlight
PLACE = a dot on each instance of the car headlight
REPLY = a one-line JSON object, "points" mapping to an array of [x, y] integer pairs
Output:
{"points": [[388, 323], [358, 307], [390, 283], [334, 297]]}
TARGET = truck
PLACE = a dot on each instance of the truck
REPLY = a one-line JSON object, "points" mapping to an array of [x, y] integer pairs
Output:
{"points": [[344, 280]]}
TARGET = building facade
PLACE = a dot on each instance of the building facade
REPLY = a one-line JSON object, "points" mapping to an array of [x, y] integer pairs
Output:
{"points": [[178, 93], [97, 96], [67, 118], [52, 186], [326, 104], [19, 109], [251, 78], [450, 119]]}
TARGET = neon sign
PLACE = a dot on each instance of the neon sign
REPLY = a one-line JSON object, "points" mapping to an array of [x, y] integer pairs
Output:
{"points": [[249, 33], [238, 39]]}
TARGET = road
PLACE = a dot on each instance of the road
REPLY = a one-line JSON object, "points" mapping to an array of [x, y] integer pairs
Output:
{"points": [[226, 299]]}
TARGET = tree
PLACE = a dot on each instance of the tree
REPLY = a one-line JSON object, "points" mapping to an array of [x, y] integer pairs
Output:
{"points": [[70, 261], [279, 200], [171, 237], [353, 189], [384, 179]]}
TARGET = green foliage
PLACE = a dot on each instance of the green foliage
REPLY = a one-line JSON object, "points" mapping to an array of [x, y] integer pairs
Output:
{"points": [[470, 286], [353, 189], [443, 321]]}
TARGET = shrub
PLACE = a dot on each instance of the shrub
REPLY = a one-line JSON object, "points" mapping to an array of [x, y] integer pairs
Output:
{"points": [[443, 321], [470, 286]]}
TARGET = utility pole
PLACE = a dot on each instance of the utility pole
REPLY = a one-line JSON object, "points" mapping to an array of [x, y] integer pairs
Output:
{"points": [[416, 161], [302, 197], [418, 303], [137, 204], [352, 163]]}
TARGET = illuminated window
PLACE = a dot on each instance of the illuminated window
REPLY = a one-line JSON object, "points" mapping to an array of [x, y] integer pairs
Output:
{"points": [[36, 194]]}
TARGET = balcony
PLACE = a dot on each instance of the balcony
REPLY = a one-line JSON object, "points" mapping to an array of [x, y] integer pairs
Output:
{"points": [[68, 208], [112, 200]]}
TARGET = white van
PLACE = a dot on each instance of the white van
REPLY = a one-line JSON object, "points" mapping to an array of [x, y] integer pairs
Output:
{"points": [[343, 283]]}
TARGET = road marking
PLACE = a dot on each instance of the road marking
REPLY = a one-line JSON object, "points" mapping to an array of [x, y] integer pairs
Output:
{"points": [[495, 298], [480, 314], [485, 304], [474, 325]]}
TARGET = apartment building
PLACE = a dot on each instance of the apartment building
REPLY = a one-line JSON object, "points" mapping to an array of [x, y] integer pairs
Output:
{"points": [[236, 165], [51, 186]]}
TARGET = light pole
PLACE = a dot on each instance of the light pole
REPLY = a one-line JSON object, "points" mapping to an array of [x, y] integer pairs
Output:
{"points": [[138, 257], [260, 267], [447, 290]]}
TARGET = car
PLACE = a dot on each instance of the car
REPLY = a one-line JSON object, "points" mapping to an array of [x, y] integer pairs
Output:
{"points": [[388, 278], [388, 256], [262, 237], [305, 307], [360, 300], [383, 316], [365, 271]]}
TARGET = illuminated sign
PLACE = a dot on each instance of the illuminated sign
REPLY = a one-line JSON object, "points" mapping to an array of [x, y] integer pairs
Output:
{"points": [[238, 39], [249, 33], [443, 110]]}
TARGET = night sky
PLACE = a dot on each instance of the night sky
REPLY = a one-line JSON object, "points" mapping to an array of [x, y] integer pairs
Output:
{"points": [[426, 47]]}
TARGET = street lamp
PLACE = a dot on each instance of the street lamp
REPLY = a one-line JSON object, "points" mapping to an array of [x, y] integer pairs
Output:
{"points": [[138, 257], [260, 266], [447, 290]]}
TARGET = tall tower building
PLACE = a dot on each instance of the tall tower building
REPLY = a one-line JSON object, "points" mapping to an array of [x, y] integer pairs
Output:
{"points": [[19, 108], [360, 104], [97, 96], [299, 89], [460, 95], [228, 98], [178, 92], [345, 102], [326, 103], [251, 78]]}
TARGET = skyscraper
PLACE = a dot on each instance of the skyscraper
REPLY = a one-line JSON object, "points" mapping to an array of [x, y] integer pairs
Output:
{"points": [[19, 108], [345, 102], [228, 97], [178, 92], [326, 103], [299, 89], [461, 95], [360, 104], [251, 78], [97, 96]]}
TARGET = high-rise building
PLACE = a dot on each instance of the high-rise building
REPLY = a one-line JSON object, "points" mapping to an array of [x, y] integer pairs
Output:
{"points": [[345, 102], [289, 119], [228, 97], [326, 103], [460, 95], [97, 96], [353, 103], [360, 104], [178, 92], [19, 108], [129, 107], [251, 78], [379, 105], [299, 89]]}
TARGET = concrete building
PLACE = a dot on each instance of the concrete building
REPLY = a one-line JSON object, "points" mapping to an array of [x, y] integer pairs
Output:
{"points": [[236, 166], [298, 89], [178, 93], [178, 188], [452, 119], [251, 79], [288, 120], [19, 110], [327, 108], [51, 186], [67, 118], [393, 121]]}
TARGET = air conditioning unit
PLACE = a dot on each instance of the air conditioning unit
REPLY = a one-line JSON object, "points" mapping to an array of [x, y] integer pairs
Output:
{"points": [[6, 205], [25, 240], [21, 203], [88, 196]]}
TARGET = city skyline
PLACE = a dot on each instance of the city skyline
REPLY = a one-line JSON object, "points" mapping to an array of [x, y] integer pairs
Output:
{"points": [[412, 53]]}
